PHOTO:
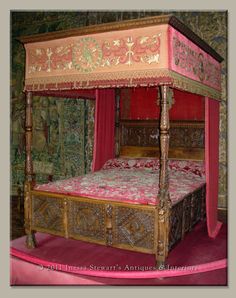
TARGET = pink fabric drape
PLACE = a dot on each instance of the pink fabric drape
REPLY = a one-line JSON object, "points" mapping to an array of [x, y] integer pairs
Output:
{"points": [[212, 164], [104, 135]]}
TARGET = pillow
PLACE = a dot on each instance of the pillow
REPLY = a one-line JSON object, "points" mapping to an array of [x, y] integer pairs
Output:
{"points": [[188, 166], [132, 163]]}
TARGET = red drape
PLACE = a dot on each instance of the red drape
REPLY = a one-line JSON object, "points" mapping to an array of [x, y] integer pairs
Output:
{"points": [[104, 127], [212, 164], [141, 103]]}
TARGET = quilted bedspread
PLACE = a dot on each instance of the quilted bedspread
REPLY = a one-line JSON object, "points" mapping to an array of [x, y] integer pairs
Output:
{"points": [[132, 181]]}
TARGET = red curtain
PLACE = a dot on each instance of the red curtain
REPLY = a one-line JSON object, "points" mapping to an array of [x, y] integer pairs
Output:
{"points": [[104, 136], [141, 103], [212, 164]]}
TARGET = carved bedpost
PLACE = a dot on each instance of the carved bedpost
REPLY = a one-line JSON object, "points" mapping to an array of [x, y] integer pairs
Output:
{"points": [[117, 122], [30, 238], [109, 211], [164, 204]]}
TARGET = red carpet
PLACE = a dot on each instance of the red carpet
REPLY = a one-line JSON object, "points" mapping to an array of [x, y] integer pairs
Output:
{"points": [[197, 248]]}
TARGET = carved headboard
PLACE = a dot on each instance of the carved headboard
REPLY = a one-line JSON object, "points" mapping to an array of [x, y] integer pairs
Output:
{"points": [[140, 138]]}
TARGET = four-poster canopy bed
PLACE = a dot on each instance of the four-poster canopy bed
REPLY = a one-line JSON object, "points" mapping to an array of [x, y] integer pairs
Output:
{"points": [[135, 198]]}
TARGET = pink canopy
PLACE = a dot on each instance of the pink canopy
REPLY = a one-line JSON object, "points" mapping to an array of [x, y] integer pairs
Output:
{"points": [[145, 52]]}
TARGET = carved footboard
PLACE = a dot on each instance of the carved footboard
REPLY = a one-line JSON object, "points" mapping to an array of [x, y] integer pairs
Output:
{"points": [[121, 225], [131, 227]]}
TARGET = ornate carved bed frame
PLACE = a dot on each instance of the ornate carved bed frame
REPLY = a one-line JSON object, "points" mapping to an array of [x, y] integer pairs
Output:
{"points": [[143, 228]]}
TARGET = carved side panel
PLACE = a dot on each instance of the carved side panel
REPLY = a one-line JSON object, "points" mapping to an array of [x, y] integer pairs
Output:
{"points": [[176, 222], [196, 206], [185, 214], [87, 220], [134, 227], [48, 213]]}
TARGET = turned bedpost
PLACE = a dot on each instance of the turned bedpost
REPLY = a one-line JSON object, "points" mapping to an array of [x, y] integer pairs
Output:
{"points": [[164, 145], [117, 122], [30, 239], [28, 138], [164, 203]]}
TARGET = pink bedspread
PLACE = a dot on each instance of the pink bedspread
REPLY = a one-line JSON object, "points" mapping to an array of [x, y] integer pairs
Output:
{"points": [[133, 185]]}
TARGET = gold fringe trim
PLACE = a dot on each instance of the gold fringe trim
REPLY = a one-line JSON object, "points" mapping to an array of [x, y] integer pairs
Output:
{"points": [[121, 79]]}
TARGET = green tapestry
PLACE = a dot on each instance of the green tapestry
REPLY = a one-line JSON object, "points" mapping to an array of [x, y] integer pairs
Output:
{"points": [[62, 139], [73, 154]]}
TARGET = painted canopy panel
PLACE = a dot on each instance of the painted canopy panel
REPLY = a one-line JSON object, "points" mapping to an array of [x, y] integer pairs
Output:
{"points": [[189, 60], [110, 58], [146, 56]]}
